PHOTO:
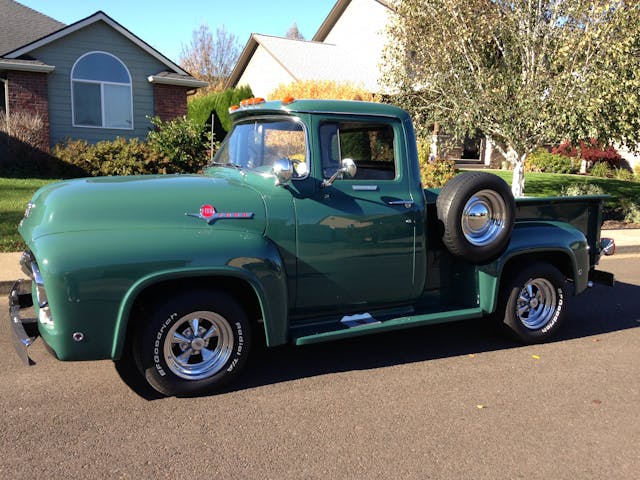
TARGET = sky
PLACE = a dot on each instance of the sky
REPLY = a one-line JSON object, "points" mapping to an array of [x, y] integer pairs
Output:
{"points": [[167, 25]]}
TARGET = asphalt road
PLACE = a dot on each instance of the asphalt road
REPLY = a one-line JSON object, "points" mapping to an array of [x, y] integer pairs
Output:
{"points": [[450, 401]]}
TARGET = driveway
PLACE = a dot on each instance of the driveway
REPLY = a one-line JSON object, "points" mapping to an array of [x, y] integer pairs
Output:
{"points": [[449, 401]]}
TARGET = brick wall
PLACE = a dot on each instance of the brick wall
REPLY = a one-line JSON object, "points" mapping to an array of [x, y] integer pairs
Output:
{"points": [[28, 93], [169, 101]]}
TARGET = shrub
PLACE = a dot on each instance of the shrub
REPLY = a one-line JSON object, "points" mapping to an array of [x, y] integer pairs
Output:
{"points": [[108, 157], [323, 89], [632, 211], [543, 161], [199, 108], [578, 189], [181, 143], [22, 126], [176, 146], [436, 173], [601, 169], [592, 152], [20, 147], [75, 154], [623, 174]]}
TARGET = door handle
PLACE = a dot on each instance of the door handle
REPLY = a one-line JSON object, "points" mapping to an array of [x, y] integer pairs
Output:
{"points": [[406, 203]]}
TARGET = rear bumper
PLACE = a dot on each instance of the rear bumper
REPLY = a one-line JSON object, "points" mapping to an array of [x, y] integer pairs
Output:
{"points": [[24, 330]]}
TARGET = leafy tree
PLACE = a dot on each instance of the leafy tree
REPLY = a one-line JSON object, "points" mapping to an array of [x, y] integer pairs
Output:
{"points": [[524, 72], [201, 107], [210, 59], [293, 32]]}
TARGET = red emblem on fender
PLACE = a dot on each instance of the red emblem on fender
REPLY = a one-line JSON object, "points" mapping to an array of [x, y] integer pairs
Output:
{"points": [[209, 214], [207, 211]]}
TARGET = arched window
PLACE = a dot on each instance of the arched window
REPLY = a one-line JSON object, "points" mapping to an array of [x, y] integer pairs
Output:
{"points": [[101, 92]]}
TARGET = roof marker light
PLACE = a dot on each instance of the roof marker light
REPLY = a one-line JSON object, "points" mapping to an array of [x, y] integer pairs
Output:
{"points": [[247, 102], [287, 100]]}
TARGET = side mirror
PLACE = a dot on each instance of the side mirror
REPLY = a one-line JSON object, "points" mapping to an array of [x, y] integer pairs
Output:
{"points": [[608, 246], [283, 171], [347, 170]]}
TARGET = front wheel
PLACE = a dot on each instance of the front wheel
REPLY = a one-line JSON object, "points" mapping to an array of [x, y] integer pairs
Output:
{"points": [[532, 302], [193, 344]]}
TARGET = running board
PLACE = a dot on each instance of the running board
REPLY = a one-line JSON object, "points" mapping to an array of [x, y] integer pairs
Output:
{"points": [[370, 325]]}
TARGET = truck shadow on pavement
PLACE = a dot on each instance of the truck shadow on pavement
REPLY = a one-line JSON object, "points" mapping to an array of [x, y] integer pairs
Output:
{"points": [[601, 310]]}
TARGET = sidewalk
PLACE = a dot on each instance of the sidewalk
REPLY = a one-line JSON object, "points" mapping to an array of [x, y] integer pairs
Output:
{"points": [[627, 241]]}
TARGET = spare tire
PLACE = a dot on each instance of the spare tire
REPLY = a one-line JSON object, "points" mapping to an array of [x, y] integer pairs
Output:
{"points": [[477, 210]]}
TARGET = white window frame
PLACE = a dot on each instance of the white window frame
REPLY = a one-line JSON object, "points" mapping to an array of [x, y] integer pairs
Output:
{"points": [[101, 84]]}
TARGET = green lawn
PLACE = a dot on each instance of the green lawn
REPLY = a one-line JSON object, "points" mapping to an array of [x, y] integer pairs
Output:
{"points": [[550, 184], [14, 195]]}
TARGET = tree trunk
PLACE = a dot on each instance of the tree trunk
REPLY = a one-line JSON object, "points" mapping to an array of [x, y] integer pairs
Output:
{"points": [[488, 150], [517, 184], [433, 153]]}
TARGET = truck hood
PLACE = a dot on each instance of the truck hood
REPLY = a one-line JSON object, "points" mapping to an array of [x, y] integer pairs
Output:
{"points": [[143, 202]]}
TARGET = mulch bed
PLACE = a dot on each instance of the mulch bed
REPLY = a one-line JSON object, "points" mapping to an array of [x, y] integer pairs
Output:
{"points": [[616, 224]]}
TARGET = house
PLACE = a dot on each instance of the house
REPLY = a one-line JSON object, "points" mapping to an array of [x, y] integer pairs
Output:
{"points": [[91, 80], [346, 48]]}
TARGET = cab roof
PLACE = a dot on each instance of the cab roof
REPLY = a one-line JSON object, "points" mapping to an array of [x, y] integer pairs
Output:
{"points": [[349, 107]]}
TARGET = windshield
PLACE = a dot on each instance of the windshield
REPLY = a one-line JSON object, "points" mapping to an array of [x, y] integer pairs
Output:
{"points": [[255, 144]]}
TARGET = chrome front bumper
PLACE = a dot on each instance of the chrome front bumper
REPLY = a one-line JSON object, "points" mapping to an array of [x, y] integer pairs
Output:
{"points": [[24, 331]]}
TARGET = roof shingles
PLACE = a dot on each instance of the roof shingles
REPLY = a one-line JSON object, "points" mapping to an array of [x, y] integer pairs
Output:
{"points": [[20, 25]]}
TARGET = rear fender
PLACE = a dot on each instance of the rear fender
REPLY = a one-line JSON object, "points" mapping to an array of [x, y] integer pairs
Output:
{"points": [[554, 241]]}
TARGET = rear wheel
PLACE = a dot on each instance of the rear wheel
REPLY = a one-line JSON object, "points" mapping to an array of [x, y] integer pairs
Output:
{"points": [[533, 301], [193, 344]]}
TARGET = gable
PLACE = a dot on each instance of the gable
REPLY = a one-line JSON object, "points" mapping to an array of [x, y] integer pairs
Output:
{"points": [[361, 25], [347, 48], [65, 51], [264, 73], [83, 24]]}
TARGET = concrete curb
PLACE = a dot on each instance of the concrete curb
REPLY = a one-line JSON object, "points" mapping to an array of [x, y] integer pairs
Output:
{"points": [[5, 287]]}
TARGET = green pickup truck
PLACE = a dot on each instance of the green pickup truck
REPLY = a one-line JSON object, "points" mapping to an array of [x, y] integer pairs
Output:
{"points": [[310, 224]]}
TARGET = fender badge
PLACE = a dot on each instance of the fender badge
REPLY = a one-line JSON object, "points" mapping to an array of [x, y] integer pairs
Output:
{"points": [[210, 215]]}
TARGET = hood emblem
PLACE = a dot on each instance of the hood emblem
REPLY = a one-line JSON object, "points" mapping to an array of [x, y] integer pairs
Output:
{"points": [[210, 215]]}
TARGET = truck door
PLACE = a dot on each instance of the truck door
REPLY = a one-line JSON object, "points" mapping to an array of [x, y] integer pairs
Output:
{"points": [[356, 237]]}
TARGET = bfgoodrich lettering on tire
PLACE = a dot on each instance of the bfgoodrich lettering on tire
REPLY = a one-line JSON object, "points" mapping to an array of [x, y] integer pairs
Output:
{"points": [[193, 343], [534, 302]]}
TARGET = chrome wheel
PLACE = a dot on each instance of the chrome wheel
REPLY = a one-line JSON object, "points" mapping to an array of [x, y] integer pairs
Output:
{"points": [[198, 345], [484, 217], [536, 303]]}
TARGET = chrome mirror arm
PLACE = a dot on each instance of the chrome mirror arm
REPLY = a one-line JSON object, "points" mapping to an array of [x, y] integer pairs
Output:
{"points": [[348, 169]]}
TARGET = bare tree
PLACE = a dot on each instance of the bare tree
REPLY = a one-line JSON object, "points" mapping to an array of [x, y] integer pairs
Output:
{"points": [[293, 32], [210, 59]]}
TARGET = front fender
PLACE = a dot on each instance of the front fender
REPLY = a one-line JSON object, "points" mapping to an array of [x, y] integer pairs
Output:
{"points": [[535, 240], [93, 278], [260, 266]]}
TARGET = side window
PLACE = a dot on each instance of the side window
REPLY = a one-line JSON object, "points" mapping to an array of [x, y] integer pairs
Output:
{"points": [[369, 145], [101, 92]]}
